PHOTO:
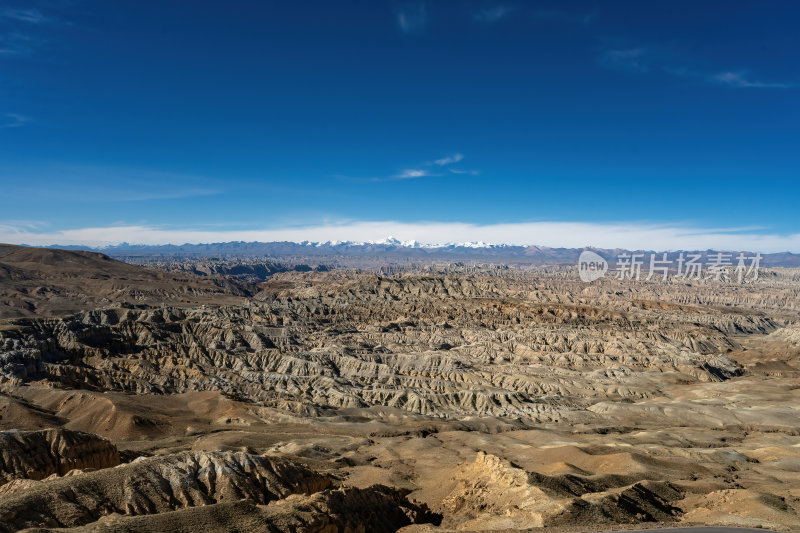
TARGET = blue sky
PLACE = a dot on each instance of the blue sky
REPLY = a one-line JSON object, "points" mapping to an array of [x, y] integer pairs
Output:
{"points": [[580, 123]]}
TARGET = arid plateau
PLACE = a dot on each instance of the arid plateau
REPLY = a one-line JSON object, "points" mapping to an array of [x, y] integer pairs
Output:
{"points": [[448, 397]]}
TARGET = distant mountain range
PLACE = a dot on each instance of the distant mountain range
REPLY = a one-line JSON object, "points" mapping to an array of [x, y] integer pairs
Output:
{"points": [[391, 251]]}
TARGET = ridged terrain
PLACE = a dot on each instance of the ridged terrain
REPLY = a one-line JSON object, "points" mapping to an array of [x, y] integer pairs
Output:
{"points": [[152, 488], [447, 347], [39, 454], [340, 400]]}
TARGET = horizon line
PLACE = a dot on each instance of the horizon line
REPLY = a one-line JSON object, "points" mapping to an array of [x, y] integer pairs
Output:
{"points": [[627, 236]]}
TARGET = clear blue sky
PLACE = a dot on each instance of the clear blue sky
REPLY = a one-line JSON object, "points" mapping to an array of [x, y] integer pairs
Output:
{"points": [[244, 116]]}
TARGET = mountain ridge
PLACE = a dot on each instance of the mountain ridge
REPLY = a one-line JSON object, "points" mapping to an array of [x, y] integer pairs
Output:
{"points": [[403, 251]]}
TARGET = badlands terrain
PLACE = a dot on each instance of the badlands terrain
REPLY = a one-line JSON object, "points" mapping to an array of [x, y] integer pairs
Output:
{"points": [[444, 398]]}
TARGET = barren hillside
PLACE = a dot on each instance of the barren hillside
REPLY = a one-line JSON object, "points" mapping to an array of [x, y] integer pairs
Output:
{"points": [[479, 400]]}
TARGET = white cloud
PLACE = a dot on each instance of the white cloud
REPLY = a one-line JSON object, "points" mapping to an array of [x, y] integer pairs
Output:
{"points": [[455, 158], [553, 234], [413, 173]]}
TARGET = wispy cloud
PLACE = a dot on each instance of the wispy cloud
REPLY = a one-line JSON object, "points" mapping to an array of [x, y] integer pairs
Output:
{"points": [[445, 161], [30, 16], [493, 14], [423, 170], [662, 61], [412, 16], [554, 234], [452, 159], [25, 30], [742, 80], [413, 173], [22, 225], [448, 160], [13, 120], [18, 44], [458, 171]]}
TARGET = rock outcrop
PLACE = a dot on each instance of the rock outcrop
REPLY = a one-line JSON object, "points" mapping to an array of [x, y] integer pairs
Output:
{"points": [[40, 454], [494, 494], [156, 485]]}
